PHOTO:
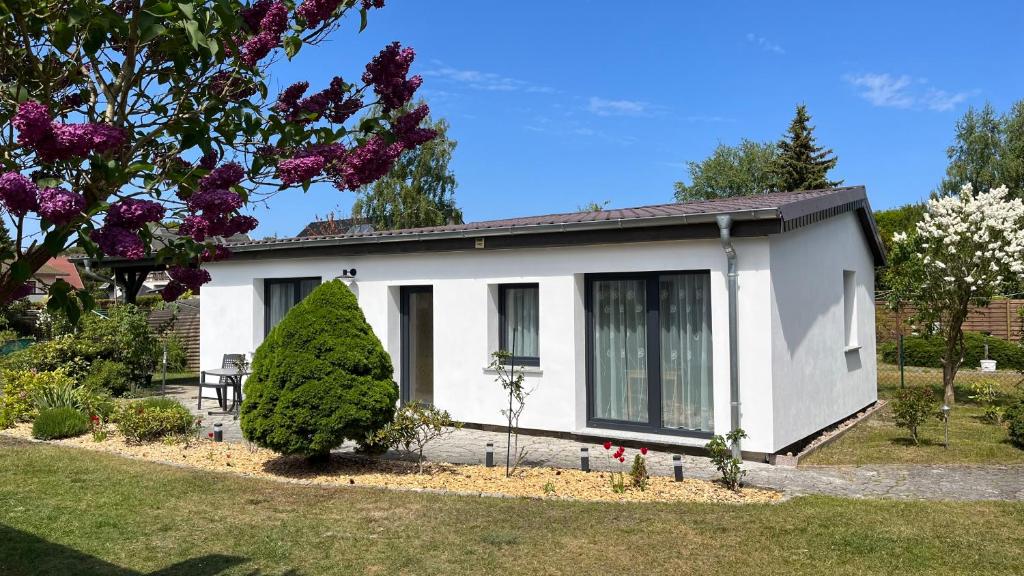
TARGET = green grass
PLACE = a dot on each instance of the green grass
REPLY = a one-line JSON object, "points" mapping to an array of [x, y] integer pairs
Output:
{"points": [[972, 440], [68, 511]]}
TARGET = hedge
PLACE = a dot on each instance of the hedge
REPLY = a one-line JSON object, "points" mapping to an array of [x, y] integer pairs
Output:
{"points": [[927, 352]]}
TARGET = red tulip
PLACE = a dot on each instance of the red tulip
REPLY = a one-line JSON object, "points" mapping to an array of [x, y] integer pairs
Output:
{"points": [[643, 451], [622, 458], [607, 445], [210, 434]]}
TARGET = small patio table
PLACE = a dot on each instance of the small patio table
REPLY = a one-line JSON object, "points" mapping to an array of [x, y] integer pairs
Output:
{"points": [[234, 377]]}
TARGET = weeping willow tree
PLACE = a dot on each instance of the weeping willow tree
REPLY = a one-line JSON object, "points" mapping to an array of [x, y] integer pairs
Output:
{"points": [[419, 190]]}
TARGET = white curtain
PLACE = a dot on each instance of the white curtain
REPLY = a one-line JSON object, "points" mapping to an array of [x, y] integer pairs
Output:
{"points": [[281, 297], [522, 316], [685, 320], [620, 350]]}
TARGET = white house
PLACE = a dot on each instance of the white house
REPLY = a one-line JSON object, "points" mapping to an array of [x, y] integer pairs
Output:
{"points": [[624, 321]]}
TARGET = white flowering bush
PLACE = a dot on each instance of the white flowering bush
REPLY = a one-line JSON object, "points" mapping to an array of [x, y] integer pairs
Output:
{"points": [[967, 249]]}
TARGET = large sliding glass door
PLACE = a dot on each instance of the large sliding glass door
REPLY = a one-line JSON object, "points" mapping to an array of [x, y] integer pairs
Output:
{"points": [[649, 352]]}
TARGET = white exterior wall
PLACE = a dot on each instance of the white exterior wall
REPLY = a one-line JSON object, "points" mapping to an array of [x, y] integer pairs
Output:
{"points": [[465, 322], [816, 381]]}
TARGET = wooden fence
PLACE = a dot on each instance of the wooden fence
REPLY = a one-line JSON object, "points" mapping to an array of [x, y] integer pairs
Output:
{"points": [[1001, 319]]}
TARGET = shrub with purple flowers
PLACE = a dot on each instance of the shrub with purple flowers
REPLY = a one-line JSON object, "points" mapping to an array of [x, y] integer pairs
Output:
{"points": [[95, 156]]}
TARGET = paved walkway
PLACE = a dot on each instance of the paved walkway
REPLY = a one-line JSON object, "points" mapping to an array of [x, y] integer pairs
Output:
{"points": [[875, 481]]}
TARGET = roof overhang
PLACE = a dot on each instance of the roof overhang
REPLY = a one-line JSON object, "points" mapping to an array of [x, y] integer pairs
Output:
{"points": [[746, 223]]}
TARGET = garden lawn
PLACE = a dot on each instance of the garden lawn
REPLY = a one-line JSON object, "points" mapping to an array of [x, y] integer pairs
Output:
{"points": [[64, 510], [972, 440]]}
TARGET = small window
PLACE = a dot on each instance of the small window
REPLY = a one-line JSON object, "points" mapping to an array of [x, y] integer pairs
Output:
{"points": [[280, 295], [850, 308], [518, 321]]}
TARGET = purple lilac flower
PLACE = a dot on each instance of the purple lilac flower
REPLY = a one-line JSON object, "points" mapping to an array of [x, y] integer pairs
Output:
{"points": [[215, 253], [32, 120], [240, 225], [197, 227], [290, 97], [367, 4], [191, 278], [22, 290], [18, 193], [254, 14], [272, 25], [222, 177], [71, 140], [387, 72], [368, 163], [134, 214], [298, 170], [407, 128], [342, 111], [214, 201], [105, 138], [316, 11], [60, 206], [209, 160], [172, 291], [117, 241]]}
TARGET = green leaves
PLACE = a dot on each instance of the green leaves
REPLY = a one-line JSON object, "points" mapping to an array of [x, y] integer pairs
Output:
{"points": [[292, 44]]}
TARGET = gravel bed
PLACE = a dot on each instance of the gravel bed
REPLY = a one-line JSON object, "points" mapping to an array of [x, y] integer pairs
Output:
{"points": [[346, 470]]}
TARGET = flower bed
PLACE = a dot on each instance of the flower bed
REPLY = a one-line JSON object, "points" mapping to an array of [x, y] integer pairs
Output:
{"points": [[346, 470]]}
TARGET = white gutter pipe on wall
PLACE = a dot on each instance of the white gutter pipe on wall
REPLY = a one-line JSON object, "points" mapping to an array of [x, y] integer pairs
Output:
{"points": [[725, 231]]}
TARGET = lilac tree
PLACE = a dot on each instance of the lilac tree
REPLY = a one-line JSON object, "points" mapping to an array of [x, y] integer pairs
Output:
{"points": [[118, 119]]}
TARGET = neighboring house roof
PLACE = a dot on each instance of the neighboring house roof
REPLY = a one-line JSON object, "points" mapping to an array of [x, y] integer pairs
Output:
{"points": [[63, 268], [752, 216], [334, 227]]}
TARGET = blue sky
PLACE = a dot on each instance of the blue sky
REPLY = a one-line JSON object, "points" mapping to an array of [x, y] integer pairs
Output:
{"points": [[556, 104]]}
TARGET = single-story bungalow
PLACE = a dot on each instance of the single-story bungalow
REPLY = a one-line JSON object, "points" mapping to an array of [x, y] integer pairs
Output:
{"points": [[664, 324]]}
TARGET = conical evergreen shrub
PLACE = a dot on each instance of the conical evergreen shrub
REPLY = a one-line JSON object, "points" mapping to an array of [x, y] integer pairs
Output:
{"points": [[320, 378]]}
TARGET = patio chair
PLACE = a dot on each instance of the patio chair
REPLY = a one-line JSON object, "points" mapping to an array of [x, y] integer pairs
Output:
{"points": [[222, 384]]}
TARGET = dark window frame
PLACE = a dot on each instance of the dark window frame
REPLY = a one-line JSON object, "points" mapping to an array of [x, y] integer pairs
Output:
{"points": [[297, 285], [502, 343], [654, 389]]}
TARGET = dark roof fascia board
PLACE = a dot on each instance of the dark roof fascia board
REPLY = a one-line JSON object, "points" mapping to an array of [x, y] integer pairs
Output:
{"points": [[626, 235], [622, 223]]}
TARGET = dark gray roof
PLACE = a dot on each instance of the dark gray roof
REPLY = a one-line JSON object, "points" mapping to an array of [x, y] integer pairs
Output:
{"points": [[755, 216]]}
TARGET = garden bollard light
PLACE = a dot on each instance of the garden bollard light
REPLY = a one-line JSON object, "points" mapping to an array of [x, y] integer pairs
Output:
{"points": [[945, 421], [585, 459], [218, 432], [677, 465], [489, 455]]}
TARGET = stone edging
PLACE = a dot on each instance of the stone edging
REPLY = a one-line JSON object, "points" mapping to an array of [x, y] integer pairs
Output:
{"points": [[829, 435]]}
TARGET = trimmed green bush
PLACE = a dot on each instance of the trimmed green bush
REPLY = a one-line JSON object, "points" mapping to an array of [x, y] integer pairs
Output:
{"points": [[1014, 419], [109, 375], [152, 419], [321, 377], [927, 352], [57, 423]]}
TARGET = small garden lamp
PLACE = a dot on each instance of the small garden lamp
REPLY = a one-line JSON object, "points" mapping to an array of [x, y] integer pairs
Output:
{"points": [[945, 420]]}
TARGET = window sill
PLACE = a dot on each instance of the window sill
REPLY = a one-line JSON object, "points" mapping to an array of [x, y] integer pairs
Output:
{"points": [[849, 349], [526, 370]]}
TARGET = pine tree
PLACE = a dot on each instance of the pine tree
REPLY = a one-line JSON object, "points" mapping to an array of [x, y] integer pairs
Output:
{"points": [[419, 190], [801, 164]]}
